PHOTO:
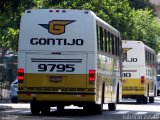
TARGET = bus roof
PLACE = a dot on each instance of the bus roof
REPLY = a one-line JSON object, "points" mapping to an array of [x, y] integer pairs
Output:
{"points": [[72, 29], [103, 23], [139, 42], [99, 20]]}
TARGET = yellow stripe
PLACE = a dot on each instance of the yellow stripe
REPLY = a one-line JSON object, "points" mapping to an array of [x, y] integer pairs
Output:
{"points": [[43, 80], [133, 86], [50, 97], [73, 87]]}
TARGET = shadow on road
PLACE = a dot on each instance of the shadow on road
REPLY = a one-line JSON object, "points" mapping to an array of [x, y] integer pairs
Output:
{"points": [[71, 112]]}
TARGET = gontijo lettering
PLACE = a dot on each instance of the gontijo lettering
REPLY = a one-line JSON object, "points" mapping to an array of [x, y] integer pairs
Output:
{"points": [[55, 41], [56, 27]]}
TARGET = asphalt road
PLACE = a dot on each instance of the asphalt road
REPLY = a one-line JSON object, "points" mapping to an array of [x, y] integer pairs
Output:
{"points": [[127, 110]]}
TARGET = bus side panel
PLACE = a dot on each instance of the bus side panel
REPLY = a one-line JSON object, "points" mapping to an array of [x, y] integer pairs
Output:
{"points": [[109, 74]]}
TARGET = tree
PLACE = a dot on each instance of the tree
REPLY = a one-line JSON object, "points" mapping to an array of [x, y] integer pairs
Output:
{"points": [[10, 13], [114, 12], [145, 24], [146, 28]]}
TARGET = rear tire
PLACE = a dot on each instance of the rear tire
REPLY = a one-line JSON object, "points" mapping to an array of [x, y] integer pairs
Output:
{"points": [[45, 110], [151, 99], [117, 99], [94, 108], [99, 109], [111, 106], [60, 108], [35, 108], [139, 101], [145, 100]]}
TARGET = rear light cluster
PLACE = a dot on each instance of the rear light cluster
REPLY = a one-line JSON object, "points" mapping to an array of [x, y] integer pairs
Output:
{"points": [[58, 11], [142, 79], [51, 11], [92, 75], [20, 75]]}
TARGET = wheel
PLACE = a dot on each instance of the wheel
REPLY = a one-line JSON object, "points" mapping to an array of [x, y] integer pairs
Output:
{"points": [[98, 108], [87, 108], [145, 100], [35, 108], [112, 106], [45, 110], [95, 108], [117, 98], [139, 101], [151, 99], [60, 107]]}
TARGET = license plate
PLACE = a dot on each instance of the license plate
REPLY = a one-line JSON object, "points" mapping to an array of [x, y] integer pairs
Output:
{"points": [[56, 79]]}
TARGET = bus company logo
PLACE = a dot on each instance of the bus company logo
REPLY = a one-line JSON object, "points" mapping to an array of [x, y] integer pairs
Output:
{"points": [[124, 52], [57, 27]]}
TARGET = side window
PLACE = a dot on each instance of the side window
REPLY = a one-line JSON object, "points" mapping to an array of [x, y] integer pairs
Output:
{"points": [[113, 44], [101, 38], [116, 45], [109, 42], [106, 40], [119, 46], [98, 37], [146, 56]]}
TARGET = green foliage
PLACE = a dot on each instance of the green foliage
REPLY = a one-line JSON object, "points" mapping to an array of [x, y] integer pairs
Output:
{"points": [[10, 13], [146, 28], [141, 4], [115, 12]]}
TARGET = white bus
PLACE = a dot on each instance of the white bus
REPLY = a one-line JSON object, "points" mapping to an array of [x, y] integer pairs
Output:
{"points": [[158, 84], [139, 71], [68, 57]]}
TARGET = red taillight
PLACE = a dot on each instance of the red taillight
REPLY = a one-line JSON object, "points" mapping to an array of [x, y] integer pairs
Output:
{"points": [[142, 79], [20, 75], [92, 75], [20, 78], [20, 70]]}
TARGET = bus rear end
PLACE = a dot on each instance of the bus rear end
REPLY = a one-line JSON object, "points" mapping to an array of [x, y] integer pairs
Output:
{"points": [[158, 84], [139, 72], [55, 65], [133, 70]]}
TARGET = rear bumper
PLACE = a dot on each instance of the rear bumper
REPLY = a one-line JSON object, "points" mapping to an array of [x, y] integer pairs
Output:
{"points": [[133, 92], [132, 96], [57, 97]]}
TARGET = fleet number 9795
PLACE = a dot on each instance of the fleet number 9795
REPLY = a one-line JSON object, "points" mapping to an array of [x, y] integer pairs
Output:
{"points": [[56, 67]]}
